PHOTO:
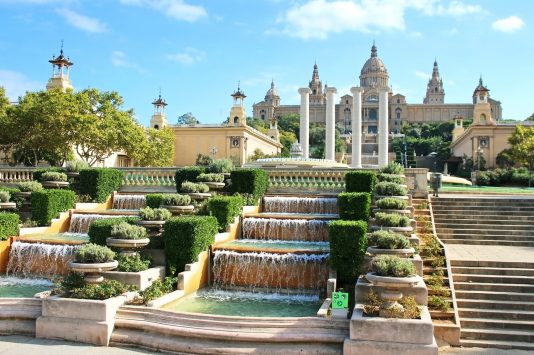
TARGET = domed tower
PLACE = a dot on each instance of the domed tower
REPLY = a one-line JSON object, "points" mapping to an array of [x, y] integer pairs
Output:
{"points": [[482, 114], [316, 86], [374, 73], [238, 116], [434, 89], [272, 97], [159, 120], [60, 72]]}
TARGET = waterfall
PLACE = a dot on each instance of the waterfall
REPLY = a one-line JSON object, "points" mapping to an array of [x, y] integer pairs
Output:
{"points": [[313, 230], [80, 222], [128, 202], [38, 259], [275, 272], [316, 205]]}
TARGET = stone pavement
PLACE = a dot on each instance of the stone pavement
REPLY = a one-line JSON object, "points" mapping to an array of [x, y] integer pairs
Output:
{"points": [[502, 253]]}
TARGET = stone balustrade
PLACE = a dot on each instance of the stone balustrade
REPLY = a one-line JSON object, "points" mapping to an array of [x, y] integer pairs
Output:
{"points": [[307, 180], [16, 175], [157, 177]]}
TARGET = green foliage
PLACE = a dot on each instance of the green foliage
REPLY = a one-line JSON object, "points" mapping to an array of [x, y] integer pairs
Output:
{"points": [[99, 183], [392, 203], [4, 196], [522, 146], [100, 230], [175, 200], [391, 220], [133, 263], [9, 225], [154, 214], [439, 303], [393, 168], [387, 240], [185, 237], [248, 199], [187, 119], [220, 166], [75, 166], [250, 181], [157, 149], [385, 188], [354, 205], [392, 266], [225, 209], [189, 173], [189, 187], [203, 160], [347, 248], [125, 230], [398, 179], [158, 289], [102, 291], [360, 181], [210, 177], [47, 204], [38, 173], [93, 254], [54, 176], [153, 200], [30, 186]]}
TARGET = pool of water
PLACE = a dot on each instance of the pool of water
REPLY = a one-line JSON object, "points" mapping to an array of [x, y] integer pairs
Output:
{"points": [[247, 304], [275, 245], [57, 237], [15, 287]]}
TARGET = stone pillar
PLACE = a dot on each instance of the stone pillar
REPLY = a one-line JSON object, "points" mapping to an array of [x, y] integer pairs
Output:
{"points": [[305, 121], [356, 127], [330, 139], [383, 133]]}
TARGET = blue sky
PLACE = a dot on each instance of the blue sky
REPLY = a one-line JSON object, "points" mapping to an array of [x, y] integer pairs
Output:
{"points": [[197, 50]]}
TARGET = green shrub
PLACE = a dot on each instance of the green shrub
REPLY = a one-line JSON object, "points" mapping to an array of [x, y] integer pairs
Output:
{"points": [[12, 190], [248, 199], [100, 230], [221, 166], [189, 187], [185, 237], [47, 204], [387, 240], [360, 181], [54, 176], [392, 266], [392, 203], [385, 188], [30, 186], [125, 230], [398, 179], [132, 263], [9, 225], [4, 196], [158, 289], [154, 214], [38, 173], [210, 178], [189, 173], [75, 166], [354, 205], [154, 200], [439, 303], [250, 181], [99, 183], [225, 209], [393, 168], [102, 291], [93, 254], [347, 248], [175, 200], [391, 220]]}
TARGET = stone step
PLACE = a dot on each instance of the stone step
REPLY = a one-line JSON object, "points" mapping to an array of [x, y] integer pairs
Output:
{"points": [[493, 264], [495, 314], [485, 231], [497, 334], [487, 242], [521, 345], [481, 210], [497, 279], [489, 323], [479, 221], [471, 200], [476, 270], [483, 286], [443, 217], [495, 304], [492, 227], [495, 295], [488, 237]]}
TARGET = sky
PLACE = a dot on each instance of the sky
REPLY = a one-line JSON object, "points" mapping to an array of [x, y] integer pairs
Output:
{"points": [[196, 51]]}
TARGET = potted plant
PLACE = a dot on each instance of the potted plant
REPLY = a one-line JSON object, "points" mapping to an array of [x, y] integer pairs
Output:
{"points": [[4, 201], [73, 167], [177, 204], [390, 189], [92, 259], [27, 187], [197, 191], [221, 166], [386, 242], [128, 238], [213, 180], [393, 168], [153, 218], [392, 221], [392, 205], [398, 179], [54, 179]]}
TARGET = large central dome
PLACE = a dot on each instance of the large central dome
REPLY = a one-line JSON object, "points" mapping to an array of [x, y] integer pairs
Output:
{"points": [[374, 72]]}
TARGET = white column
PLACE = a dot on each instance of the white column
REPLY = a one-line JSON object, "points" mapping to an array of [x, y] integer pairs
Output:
{"points": [[356, 127], [330, 139], [305, 121], [383, 134]]}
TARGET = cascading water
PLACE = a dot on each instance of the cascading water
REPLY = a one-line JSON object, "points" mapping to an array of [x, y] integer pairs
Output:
{"points": [[38, 259], [315, 205], [285, 229], [128, 202], [80, 222]]}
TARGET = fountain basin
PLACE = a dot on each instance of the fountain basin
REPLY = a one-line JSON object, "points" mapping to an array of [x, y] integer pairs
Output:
{"points": [[55, 184], [179, 209], [274, 246], [55, 238], [16, 287], [313, 230], [215, 185], [127, 246], [199, 195]]}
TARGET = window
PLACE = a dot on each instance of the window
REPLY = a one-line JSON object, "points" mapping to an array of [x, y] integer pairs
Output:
{"points": [[372, 129], [398, 101], [236, 121], [482, 118], [347, 102], [373, 114], [398, 113], [156, 126]]}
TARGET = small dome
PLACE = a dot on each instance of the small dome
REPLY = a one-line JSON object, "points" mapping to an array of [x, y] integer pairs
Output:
{"points": [[272, 91], [374, 64]]}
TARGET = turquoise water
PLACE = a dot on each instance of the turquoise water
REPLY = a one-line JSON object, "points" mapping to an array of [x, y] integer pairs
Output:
{"points": [[246, 304], [14, 287], [58, 237], [273, 245]]}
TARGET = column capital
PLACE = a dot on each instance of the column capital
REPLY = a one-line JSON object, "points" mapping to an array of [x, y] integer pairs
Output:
{"points": [[331, 89], [356, 90], [303, 91], [383, 89]]}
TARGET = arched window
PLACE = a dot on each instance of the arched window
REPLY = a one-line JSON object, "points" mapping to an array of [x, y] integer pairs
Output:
{"points": [[236, 121], [482, 118], [347, 102], [346, 120], [262, 112], [398, 113], [373, 114], [398, 101], [436, 90], [156, 126]]}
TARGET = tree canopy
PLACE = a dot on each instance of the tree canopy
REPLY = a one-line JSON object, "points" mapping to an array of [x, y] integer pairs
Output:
{"points": [[522, 146], [187, 119]]}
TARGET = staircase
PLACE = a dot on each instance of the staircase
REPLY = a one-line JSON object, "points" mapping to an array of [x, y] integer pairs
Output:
{"points": [[485, 221]]}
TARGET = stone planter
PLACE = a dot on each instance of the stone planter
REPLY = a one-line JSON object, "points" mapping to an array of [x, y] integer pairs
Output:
{"points": [[404, 212], [414, 259], [55, 184], [199, 195], [399, 252], [154, 228], [140, 280], [215, 185], [392, 289], [73, 174], [128, 247], [404, 230], [179, 209], [8, 205], [92, 271], [379, 197]]}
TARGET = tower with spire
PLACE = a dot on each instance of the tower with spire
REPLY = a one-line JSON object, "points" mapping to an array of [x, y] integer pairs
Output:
{"points": [[317, 97], [159, 120], [60, 72], [482, 114], [434, 89], [238, 116]]}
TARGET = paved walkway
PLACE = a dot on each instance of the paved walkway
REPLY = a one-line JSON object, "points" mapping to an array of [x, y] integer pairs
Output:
{"points": [[502, 253]]}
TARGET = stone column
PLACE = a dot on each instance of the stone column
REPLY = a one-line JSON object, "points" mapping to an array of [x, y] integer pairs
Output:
{"points": [[383, 133], [356, 127], [305, 121], [330, 139]]}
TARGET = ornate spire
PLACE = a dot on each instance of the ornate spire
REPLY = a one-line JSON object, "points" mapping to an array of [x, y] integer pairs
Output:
{"points": [[373, 50]]}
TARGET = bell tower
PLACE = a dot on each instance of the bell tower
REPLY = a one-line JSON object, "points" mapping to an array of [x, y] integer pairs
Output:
{"points": [[60, 72], [434, 89], [238, 116], [159, 120], [482, 110]]}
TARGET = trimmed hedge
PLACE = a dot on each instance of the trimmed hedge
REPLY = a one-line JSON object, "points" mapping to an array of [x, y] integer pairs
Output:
{"points": [[189, 173], [360, 181], [99, 183], [225, 209], [100, 230], [9, 225], [348, 245], [47, 204], [154, 200], [249, 181], [185, 237], [38, 174], [354, 205]]}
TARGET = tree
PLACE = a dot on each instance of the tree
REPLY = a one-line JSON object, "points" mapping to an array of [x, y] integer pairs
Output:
{"points": [[522, 146], [187, 119], [530, 118], [258, 124], [157, 150], [287, 139], [290, 123]]}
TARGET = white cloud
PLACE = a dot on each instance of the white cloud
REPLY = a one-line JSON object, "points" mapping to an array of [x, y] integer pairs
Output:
{"points": [[422, 75], [120, 60], [457, 9], [508, 25], [177, 9], [82, 22], [189, 56], [16, 84]]}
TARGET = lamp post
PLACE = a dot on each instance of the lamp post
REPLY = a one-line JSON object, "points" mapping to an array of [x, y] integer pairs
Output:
{"points": [[480, 150]]}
